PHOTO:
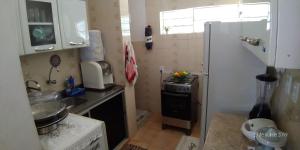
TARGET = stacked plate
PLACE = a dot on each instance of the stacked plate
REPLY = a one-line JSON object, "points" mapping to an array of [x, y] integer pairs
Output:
{"points": [[47, 115]]}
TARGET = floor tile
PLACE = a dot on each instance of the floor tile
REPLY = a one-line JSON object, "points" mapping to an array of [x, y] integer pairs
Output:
{"points": [[152, 137]]}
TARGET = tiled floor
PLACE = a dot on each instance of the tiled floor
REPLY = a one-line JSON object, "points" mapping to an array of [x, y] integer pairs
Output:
{"points": [[152, 137]]}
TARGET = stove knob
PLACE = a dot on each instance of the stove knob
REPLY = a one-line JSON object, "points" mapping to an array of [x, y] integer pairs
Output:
{"points": [[183, 89], [186, 89]]}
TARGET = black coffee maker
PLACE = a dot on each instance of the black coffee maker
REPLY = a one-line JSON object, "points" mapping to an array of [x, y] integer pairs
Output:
{"points": [[265, 89]]}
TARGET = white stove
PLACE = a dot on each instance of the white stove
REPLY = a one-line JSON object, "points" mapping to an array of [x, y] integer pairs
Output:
{"points": [[76, 133]]}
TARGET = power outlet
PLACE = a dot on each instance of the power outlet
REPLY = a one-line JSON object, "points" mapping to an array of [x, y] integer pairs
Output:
{"points": [[162, 69]]}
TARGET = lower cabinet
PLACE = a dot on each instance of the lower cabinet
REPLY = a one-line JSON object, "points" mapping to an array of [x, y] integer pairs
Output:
{"points": [[113, 114]]}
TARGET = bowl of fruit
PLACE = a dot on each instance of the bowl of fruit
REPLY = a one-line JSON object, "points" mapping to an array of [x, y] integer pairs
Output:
{"points": [[180, 75]]}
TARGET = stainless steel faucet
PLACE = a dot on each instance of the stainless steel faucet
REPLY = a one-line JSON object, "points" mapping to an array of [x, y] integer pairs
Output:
{"points": [[30, 89]]}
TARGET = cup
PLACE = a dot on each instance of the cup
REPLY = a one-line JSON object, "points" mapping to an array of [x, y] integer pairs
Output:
{"points": [[37, 14]]}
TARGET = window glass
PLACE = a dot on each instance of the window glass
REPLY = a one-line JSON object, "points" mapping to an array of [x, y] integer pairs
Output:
{"points": [[125, 25], [192, 20]]}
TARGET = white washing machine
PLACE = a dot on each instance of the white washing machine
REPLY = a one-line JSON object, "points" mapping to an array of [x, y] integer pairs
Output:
{"points": [[76, 133]]}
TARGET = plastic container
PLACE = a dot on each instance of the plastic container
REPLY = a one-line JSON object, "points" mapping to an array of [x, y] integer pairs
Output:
{"points": [[265, 89]]}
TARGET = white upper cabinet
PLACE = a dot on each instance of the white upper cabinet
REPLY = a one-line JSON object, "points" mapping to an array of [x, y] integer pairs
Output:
{"points": [[288, 35], [279, 36], [39, 25], [73, 23], [48, 25]]}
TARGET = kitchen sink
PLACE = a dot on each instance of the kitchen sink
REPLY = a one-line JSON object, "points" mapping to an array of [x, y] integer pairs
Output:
{"points": [[73, 101]]}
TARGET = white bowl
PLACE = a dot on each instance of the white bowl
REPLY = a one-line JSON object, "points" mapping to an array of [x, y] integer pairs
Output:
{"points": [[250, 127]]}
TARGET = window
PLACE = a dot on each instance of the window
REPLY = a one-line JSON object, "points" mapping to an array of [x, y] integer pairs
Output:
{"points": [[192, 20], [225, 13], [177, 21], [125, 25], [254, 11]]}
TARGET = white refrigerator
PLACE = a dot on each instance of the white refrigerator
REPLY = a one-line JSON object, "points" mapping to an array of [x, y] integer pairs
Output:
{"points": [[229, 83]]}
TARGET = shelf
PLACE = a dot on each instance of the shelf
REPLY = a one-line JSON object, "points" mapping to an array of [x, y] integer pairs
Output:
{"points": [[257, 30], [258, 51], [40, 23]]}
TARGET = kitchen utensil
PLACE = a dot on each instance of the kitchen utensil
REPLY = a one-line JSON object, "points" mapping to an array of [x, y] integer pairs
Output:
{"points": [[271, 138], [47, 114], [55, 60], [97, 75], [31, 14], [265, 88], [43, 15], [39, 34], [35, 97], [250, 127], [37, 14]]}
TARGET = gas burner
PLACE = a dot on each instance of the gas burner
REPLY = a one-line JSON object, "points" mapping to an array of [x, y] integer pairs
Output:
{"points": [[180, 86]]}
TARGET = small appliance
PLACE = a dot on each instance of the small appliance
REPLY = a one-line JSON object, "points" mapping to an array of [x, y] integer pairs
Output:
{"points": [[269, 138], [250, 127], [265, 87], [76, 133], [96, 72], [97, 75], [179, 102]]}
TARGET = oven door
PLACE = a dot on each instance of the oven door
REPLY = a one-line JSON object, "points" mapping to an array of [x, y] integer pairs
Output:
{"points": [[176, 105]]}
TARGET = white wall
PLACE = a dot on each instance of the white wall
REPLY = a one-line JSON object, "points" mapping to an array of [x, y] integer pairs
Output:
{"points": [[17, 130], [137, 11], [110, 26], [175, 52]]}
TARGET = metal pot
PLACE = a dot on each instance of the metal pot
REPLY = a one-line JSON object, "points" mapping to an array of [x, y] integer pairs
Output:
{"points": [[47, 115]]}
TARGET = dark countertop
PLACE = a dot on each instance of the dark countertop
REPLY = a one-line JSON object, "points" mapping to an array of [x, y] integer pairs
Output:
{"points": [[95, 98]]}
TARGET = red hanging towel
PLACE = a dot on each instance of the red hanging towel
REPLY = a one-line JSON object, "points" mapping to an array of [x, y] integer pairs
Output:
{"points": [[131, 72]]}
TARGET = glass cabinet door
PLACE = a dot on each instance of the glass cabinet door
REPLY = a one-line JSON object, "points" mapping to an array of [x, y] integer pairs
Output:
{"points": [[40, 25], [40, 22]]}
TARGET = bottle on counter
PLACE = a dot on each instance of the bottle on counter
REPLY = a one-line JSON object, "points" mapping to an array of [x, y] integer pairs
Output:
{"points": [[71, 90]]}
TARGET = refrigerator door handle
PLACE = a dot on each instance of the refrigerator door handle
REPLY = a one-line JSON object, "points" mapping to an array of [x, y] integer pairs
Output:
{"points": [[205, 74]]}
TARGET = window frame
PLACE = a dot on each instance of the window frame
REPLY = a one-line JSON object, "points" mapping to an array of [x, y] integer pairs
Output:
{"points": [[194, 27]]}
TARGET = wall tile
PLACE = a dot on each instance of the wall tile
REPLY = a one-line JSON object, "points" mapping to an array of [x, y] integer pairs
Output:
{"points": [[176, 51], [286, 109], [36, 67]]}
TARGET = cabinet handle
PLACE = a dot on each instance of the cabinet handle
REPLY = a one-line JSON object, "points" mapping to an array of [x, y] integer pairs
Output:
{"points": [[175, 94], [47, 49], [74, 43]]}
